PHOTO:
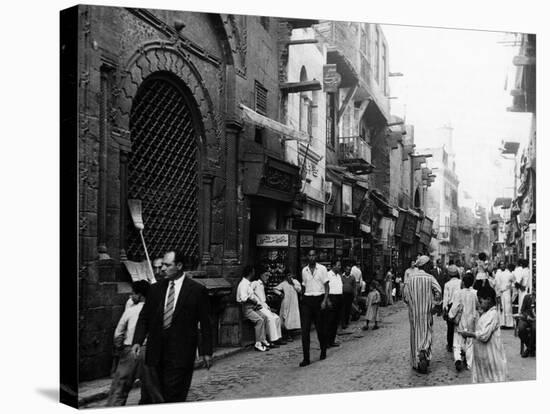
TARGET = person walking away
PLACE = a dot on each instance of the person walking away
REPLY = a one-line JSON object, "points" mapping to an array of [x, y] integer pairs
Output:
{"points": [[349, 290], [503, 289], [173, 335], [489, 362], [128, 367], [273, 321], [290, 305], [452, 286], [333, 313], [422, 295], [389, 286], [408, 272], [373, 303], [316, 290], [463, 313], [527, 325], [251, 307]]}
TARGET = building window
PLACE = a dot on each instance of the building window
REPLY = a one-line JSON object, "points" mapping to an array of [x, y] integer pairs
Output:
{"points": [[377, 55], [265, 22], [363, 44], [305, 114], [331, 135], [260, 98], [383, 71]]}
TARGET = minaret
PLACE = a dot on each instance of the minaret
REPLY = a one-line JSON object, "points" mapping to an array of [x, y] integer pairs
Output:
{"points": [[446, 134]]}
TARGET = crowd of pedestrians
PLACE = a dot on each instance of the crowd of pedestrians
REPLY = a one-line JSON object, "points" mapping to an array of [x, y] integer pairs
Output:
{"points": [[157, 342], [476, 302]]}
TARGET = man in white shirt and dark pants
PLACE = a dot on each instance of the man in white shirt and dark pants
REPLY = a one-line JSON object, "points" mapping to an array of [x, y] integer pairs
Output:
{"points": [[316, 290], [334, 311], [128, 367], [251, 307], [452, 286]]}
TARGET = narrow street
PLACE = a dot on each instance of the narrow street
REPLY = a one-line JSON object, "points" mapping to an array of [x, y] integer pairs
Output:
{"points": [[372, 360]]}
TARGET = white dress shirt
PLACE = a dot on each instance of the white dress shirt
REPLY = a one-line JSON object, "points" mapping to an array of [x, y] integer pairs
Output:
{"points": [[244, 291], [177, 288], [356, 273], [127, 323], [335, 286], [449, 289], [259, 291], [314, 283]]}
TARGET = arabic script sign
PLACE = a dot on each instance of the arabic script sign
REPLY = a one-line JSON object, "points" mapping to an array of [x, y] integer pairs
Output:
{"points": [[272, 240]]}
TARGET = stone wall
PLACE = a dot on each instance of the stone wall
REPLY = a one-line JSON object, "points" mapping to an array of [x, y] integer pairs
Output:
{"points": [[217, 58]]}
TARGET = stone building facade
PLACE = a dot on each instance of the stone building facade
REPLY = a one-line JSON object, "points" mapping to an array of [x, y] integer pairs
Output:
{"points": [[159, 95], [206, 119]]}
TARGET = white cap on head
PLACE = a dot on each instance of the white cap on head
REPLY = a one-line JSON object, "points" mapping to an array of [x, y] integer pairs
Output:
{"points": [[422, 260]]}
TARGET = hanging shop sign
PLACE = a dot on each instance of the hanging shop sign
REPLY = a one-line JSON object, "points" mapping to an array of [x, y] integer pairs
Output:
{"points": [[323, 243], [427, 224], [273, 240], [331, 78], [409, 228], [425, 238], [399, 223]]}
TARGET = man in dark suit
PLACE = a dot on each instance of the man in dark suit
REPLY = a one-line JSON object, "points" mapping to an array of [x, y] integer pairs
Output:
{"points": [[439, 273], [169, 319]]}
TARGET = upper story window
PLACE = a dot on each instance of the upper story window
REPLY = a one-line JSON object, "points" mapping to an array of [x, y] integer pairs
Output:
{"points": [[363, 42], [377, 54], [306, 107], [260, 98], [330, 117], [383, 70], [265, 22]]}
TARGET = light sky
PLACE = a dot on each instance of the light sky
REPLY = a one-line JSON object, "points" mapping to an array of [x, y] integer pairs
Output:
{"points": [[458, 77]]}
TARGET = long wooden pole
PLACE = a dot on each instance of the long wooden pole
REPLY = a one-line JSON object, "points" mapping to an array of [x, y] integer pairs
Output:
{"points": [[153, 280]]}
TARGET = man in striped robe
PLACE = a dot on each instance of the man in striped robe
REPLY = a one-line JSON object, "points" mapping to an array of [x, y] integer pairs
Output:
{"points": [[421, 294]]}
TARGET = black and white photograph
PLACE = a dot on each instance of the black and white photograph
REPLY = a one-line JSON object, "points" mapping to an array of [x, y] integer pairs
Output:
{"points": [[266, 209], [273, 206]]}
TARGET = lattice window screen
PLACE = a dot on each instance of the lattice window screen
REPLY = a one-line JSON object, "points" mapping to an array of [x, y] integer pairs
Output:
{"points": [[163, 171]]}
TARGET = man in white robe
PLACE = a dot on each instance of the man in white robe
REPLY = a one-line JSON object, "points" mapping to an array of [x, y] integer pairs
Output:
{"points": [[422, 293], [503, 290]]}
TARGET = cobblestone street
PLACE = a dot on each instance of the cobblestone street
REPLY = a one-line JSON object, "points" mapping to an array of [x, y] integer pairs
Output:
{"points": [[371, 360]]}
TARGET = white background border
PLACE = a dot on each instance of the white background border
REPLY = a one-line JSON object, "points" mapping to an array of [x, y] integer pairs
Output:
{"points": [[30, 203]]}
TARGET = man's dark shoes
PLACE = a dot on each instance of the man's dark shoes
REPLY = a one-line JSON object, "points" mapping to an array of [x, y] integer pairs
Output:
{"points": [[304, 363], [323, 355], [458, 365], [525, 354], [375, 327]]}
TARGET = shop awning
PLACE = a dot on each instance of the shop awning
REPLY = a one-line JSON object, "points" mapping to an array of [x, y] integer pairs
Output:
{"points": [[381, 202], [252, 117]]}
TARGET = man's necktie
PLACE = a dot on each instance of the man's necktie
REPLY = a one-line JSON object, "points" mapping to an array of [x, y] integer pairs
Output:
{"points": [[169, 307]]}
